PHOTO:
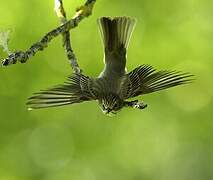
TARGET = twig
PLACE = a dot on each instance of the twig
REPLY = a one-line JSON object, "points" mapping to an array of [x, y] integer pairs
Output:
{"points": [[60, 12], [23, 56]]}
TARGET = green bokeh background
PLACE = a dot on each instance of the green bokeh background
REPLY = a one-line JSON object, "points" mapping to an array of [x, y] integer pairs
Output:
{"points": [[171, 139]]}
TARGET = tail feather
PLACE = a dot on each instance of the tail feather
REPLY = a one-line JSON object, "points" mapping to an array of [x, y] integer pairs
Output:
{"points": [[116, 32]]}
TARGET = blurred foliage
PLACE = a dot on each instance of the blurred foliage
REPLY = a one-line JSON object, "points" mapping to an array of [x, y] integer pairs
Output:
{"points": [[171, 139]]}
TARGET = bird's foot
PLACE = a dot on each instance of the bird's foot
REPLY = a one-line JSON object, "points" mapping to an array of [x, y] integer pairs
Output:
{"points": [[136, 104]]}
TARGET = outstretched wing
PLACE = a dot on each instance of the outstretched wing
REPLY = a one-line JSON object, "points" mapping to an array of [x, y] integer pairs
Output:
{"points": [[76, 89], [145, 79]]}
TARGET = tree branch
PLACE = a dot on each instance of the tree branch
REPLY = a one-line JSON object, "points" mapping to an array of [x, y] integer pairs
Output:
{"points": [[23, 56], [60, 12]]}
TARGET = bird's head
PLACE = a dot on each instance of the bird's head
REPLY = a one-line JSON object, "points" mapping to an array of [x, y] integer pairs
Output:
{"points": [[110, 103]]}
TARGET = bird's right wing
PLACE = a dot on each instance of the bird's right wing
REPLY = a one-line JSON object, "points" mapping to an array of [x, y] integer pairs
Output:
{"points": [[78, 88], [145, 79]]}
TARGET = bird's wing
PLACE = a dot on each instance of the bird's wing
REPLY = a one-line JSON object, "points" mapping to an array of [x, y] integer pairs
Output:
{"points": [[76, 89], [145, 79]]}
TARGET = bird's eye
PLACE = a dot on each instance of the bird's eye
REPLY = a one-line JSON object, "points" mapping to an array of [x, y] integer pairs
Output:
{"points": [[103, 106]]}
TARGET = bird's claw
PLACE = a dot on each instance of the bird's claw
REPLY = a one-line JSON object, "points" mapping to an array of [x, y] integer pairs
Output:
{"points": [[136, 104], [140, 105]]}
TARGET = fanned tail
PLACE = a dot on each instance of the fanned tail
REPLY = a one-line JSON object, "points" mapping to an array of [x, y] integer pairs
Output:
{"points": [[116, 32]]}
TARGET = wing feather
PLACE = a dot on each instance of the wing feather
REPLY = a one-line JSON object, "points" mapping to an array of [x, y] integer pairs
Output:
{"points": [[145, 79], [76, 89]]}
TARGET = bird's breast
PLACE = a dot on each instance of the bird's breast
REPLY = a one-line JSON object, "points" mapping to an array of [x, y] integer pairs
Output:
{"points": [[110, 84]]}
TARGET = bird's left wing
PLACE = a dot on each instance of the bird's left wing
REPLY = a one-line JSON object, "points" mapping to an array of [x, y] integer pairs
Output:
{"points": [[145, 79], [76, 89]]}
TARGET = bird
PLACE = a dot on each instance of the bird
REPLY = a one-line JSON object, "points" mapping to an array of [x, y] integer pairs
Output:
{"points": [[114, 85]]}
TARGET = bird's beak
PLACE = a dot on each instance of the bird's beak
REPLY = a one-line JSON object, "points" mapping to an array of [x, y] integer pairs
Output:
{"points": [[106, 111]]}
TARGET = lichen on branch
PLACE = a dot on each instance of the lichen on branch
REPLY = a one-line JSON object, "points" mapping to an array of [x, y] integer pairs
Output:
{"points": [[60, 12], [23, 56]]}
